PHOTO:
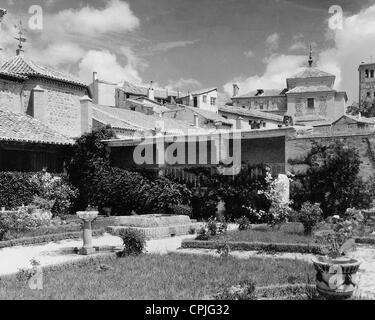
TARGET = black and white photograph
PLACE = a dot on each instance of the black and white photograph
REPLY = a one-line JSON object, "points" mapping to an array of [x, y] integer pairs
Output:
{"points": [[205, 151]]}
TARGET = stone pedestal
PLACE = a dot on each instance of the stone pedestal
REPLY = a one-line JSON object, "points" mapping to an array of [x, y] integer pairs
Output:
{"points": [[87, 217]]}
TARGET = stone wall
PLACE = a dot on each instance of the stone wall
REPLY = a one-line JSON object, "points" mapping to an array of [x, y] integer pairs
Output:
{"points": [[297, 149], [10, 95]]}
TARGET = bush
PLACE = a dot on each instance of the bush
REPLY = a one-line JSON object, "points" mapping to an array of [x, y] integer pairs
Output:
{"points": [[202, 234], [181, 210], [244, 223], [309, 216], [40, 189], [331, 180], [16, 189], [24, 219], [122, 191], [243, 291], [134, 242]]}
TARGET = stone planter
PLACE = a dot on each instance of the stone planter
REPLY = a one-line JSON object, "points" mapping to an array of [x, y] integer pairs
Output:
{"points": [[336, 278]]}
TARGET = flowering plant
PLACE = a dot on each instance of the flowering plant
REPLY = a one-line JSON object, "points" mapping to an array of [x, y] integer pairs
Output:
{"points": [[343, 230]]}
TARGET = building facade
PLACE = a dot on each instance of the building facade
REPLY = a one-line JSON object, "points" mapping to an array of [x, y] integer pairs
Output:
{"points": [[43, 93], [366, 82]]}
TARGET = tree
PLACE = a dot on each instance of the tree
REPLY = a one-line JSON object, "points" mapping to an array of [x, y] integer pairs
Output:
{"points": [[367, 109], [89, 157], [331, 180]]}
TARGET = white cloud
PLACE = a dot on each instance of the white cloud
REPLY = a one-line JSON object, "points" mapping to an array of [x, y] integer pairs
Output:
{"points": [[115, 17], [184, 84], [249, 53], [58, 54], [299, 45], [353, 44], [108, 68], [278, 68], [272, 41], [168, 45]]}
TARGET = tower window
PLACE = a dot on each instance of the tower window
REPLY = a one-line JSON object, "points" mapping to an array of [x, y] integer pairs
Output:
{"points": [[372, 73], [310, 103], [368, 94], [366, 73]]}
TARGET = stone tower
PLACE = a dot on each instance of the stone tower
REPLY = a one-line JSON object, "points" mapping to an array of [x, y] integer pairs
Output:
{"points": [[366, 82]]}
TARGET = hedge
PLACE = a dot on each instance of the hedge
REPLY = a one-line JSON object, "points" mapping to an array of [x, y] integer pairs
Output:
{"points": [[47, 238], [254, 246]]}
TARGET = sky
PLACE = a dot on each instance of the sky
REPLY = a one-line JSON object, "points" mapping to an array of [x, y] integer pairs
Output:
{"points": [[191, 44]]}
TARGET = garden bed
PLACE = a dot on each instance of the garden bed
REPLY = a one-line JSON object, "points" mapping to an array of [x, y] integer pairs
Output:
{"points": [[47, 238], [250, 240], [168, 278], [254, 246]]}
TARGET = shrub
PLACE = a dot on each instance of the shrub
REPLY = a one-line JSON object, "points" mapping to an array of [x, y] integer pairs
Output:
{"points": [[122, 191], [244, 223], [243, 291], [309, 216], [202, 234], [134, 242], [181, 210], [16, 189], [331, 180], [23, 219]]}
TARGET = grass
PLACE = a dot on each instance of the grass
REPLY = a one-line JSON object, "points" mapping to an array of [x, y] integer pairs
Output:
{"points": [[172, 276], [265, 236]]}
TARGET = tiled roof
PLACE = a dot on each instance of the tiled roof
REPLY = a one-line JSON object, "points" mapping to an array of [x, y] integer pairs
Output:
{"points": [[123, 118], [207, 114], [310, 117], [156, 107], [312, 73], [266, 93], [142, 91], [21, 66], [357, 119], [251, 113], [197, 92], [12, 74], [306, 89], [19, 127]]}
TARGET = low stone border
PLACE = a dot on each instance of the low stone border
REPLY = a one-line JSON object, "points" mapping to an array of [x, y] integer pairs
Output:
{"points": [[47, 238], [254, 246]]}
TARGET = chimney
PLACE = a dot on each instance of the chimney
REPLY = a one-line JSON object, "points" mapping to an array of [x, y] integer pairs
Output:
{"points": [[236, 89], [196, 121], [94, 76], [39, 104], [86, 114], [150, 92], [239, 123]]}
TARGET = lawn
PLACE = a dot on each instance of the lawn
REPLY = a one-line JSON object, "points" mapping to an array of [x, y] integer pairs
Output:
{"points": [[172, 276], [265, 236]]}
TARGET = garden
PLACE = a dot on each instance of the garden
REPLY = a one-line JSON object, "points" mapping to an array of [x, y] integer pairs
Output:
{"points": [[327, 215]]}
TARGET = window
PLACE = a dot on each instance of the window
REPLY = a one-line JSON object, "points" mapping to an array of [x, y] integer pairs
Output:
{"points": [[225, 117], [368, 94], [310, 103], [204, 99], [261, 106], [372, 73], [132, 108], [213, 101], [366, 73]]}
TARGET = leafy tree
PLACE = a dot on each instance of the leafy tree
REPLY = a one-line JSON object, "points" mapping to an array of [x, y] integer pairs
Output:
{"points": [[331, 180], [367, 109]]}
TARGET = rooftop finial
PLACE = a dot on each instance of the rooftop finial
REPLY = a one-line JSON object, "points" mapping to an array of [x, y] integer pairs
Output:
{"points": [[310, 57], [20, 38]]}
